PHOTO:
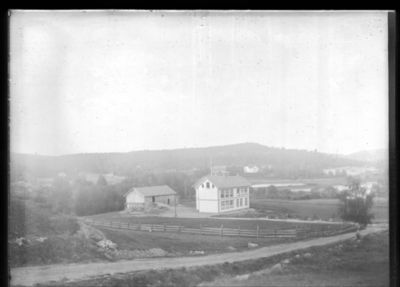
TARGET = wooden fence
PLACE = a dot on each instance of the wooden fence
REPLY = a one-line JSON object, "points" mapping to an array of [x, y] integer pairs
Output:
{"points": [[219, 231], [223, 231]]}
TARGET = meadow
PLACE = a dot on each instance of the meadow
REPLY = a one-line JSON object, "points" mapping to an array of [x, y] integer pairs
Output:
{"points": [[349, 263], [312, 208], [205, 222]]}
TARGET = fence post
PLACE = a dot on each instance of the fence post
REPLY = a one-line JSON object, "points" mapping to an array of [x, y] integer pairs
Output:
{"points": [[222, 230], [275, 232], [258, 231], [179, 228], [164, 228], [239, 231], [201, 229], [151, 228], [139, 226]]}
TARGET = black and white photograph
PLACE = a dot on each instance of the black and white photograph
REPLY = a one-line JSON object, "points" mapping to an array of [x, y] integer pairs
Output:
{"points": [[198, 148]]}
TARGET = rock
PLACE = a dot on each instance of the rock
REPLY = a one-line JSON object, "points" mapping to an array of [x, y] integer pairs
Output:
{"points": [[307, 255], [107, 244], [297, 256], [108, 256], [242, 277], [277, 268], [197, 252], [231, 248], [41, 239], [286, 261], [252, 245]]}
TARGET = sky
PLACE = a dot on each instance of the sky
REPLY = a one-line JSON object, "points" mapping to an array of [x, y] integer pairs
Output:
{"points": [[117, 81]]}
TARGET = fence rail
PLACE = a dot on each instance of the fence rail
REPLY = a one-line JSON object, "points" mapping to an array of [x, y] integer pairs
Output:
{"points": [[221, 231]]}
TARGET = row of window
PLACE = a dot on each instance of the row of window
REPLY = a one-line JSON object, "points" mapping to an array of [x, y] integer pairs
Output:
{"points": [[225, 193], [208, 185], [228, 204]]}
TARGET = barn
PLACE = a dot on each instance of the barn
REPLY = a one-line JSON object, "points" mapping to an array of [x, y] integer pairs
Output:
{"points": [[140, 197], [221, 193]]}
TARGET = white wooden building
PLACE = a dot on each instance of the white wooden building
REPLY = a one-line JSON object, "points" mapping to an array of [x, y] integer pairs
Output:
{"points": [[140, 197], [215, 193]]}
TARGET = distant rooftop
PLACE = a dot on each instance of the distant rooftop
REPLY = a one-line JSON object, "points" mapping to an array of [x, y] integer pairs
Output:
{"points": [[154, 190], [222, 181]]}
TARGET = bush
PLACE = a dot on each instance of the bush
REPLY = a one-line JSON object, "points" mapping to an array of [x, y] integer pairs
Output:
{"points": [[356, 204]]}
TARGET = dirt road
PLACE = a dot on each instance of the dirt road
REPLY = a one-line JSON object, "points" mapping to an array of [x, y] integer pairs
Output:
{"points": [[28, 276]]}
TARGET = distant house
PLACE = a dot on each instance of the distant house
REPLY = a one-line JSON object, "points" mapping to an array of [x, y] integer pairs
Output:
{"points": [[140, 197], [216, 193], [251, 169]]}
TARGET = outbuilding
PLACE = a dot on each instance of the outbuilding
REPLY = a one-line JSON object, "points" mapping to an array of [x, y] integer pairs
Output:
{"points": [[140, 197]]}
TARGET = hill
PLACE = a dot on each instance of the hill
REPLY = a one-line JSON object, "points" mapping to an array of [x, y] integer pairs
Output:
{"points": [[236, 155], [375, 156]]}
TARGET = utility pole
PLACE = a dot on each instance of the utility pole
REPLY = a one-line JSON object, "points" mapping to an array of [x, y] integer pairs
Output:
{"points": [[175, 204]]}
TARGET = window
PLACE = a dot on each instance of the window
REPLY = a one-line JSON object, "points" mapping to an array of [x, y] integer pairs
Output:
{"points": [[241, 202], [245, 202], [237, 191], [231, 193], [237, 202], [208, 185], [202, 185], [222, 193]]}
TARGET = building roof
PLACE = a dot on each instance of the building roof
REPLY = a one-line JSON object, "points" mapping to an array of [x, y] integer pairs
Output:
{"points": [[222, 181], [153, 190]]}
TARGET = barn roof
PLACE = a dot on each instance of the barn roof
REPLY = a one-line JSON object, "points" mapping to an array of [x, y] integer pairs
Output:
{"points": [[222, 181], [153, 190]]}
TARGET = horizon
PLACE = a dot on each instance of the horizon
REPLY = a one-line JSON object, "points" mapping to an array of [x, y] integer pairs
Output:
{"points": [[138, 80], [197, 147]]}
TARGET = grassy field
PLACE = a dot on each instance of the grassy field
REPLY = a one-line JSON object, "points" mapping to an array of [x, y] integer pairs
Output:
{"points": [[320, 208], [347, 264], [182, 244], [320, 181], [206, 222], [365, 263]]}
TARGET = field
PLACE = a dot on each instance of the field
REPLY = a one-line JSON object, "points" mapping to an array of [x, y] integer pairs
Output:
{"points": [[181, 244], [320, 181], [319, 208], [205, 222], [350, 263]]}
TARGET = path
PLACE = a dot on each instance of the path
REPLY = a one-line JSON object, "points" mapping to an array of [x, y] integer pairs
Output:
{"points": [[28, 276]]}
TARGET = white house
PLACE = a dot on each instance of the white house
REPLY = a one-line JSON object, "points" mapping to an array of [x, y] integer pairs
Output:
{"points": [[251, 169], [215, 193], [140, 197]]}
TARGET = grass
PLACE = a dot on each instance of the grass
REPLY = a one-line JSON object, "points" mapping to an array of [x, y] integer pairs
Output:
{"points": [[320, 208], [321, 181], [204, 222], [182, 244], [61, 244], [363, 264]]}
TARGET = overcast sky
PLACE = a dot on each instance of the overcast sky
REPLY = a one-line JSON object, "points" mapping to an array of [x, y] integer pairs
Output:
{"points": [[123, 81]]}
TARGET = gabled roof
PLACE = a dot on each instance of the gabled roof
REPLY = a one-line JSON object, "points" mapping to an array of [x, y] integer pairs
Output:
{"points": [[153, 190], [222, 181]]}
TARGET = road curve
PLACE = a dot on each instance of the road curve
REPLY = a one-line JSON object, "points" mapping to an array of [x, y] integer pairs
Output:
{"points": [[28, 276]]}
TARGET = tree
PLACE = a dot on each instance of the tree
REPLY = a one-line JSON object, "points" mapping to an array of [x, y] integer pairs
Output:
{"points": [[356, 203], [101, 181], [61, 195]]}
